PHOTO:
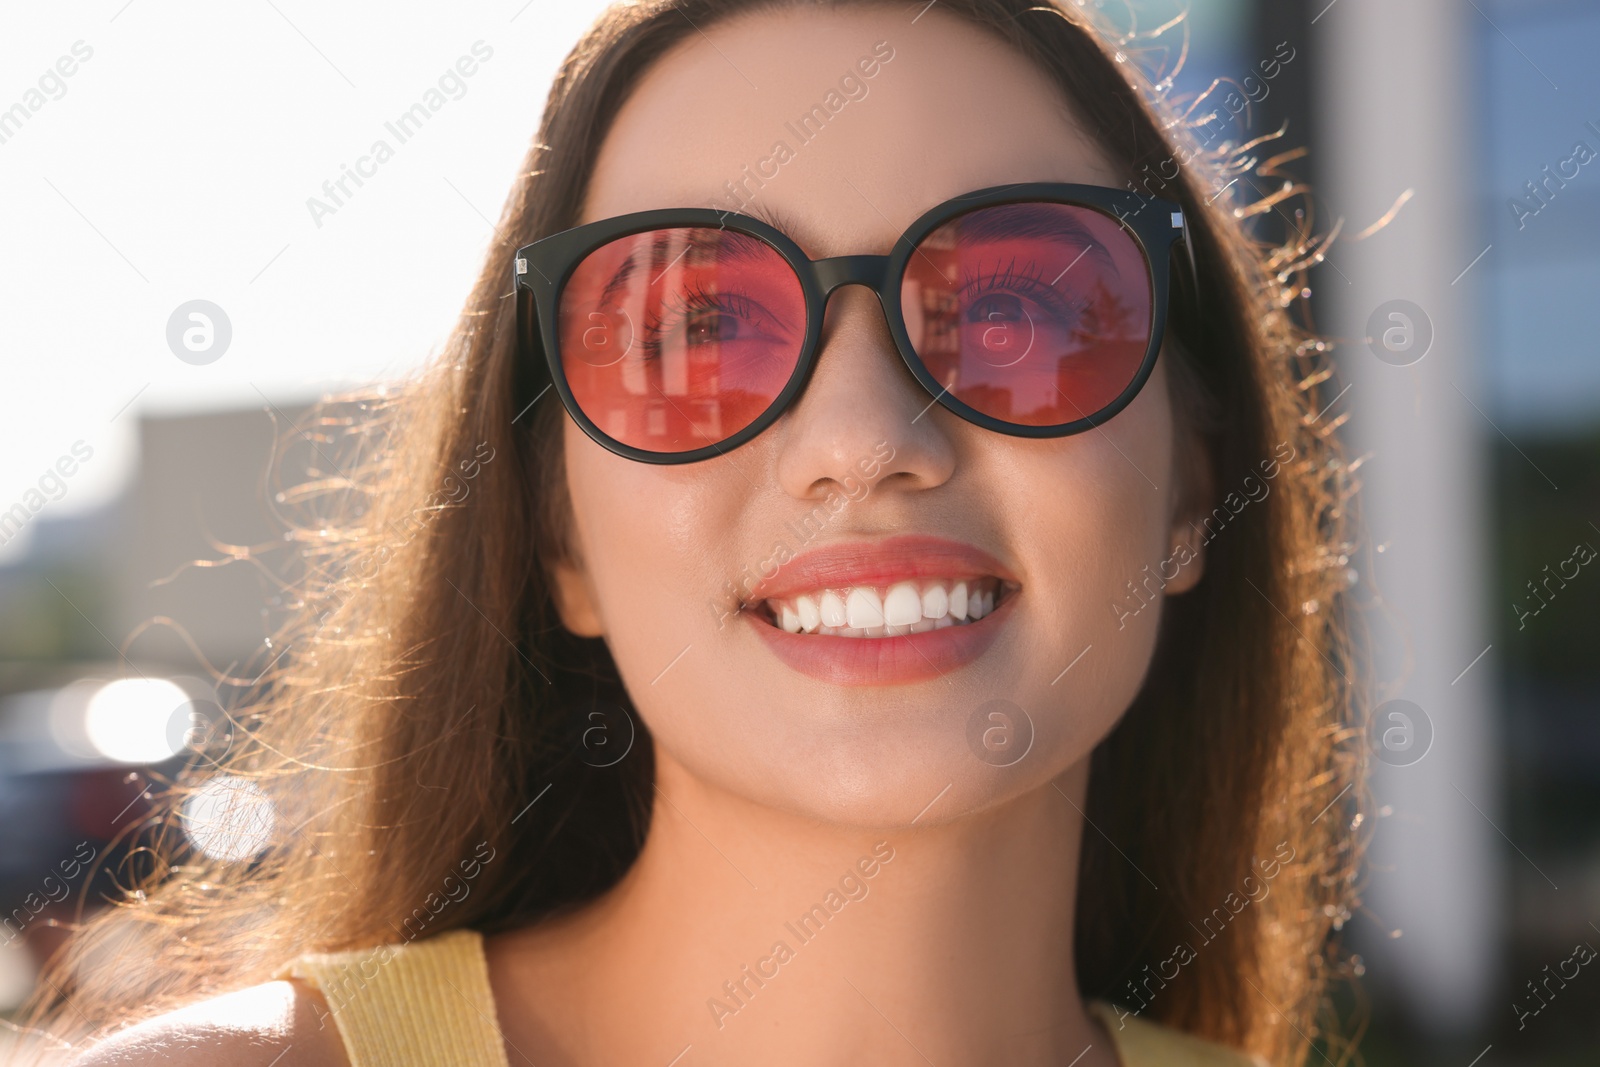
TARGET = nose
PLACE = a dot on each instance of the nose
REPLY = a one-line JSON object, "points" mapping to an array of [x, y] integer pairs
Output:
{"points": [[861, 404]]}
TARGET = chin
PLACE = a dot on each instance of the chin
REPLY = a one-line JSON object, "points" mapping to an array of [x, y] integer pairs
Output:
{"points": [[908, 762]]}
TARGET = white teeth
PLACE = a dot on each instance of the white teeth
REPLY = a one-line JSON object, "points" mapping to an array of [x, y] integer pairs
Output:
{"points": [[868, 611], [810, 617], [863, 609], [903, 605], [832, 609]]}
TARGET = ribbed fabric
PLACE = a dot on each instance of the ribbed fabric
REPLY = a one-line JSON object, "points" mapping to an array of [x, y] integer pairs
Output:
{"points": [[1141, 1043], [421, 1004]]}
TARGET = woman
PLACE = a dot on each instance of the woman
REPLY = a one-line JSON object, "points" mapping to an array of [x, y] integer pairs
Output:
{"points": [[716, 664]]}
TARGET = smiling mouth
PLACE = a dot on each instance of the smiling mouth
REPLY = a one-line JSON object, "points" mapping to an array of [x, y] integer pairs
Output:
{"points": [[908, 607]]}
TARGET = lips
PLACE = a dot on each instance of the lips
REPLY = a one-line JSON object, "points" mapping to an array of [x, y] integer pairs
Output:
{"points": [[890, 611], [882, 562]]}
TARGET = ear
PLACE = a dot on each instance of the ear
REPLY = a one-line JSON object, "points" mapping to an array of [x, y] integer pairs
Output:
{"points": [[575, 599], [1196, 489], [1188, 555]]}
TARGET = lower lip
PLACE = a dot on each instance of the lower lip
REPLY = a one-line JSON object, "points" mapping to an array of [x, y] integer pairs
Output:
{"points": [[884, 660]]}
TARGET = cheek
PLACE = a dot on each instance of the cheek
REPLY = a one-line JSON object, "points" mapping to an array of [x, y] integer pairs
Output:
{"points": [[1095, 543], [649, 536]]}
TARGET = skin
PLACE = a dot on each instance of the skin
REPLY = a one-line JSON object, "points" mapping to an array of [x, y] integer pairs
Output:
{"points": [[772, 784]]}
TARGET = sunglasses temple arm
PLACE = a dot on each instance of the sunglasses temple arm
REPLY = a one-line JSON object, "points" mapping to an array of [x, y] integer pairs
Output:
{"points": [[1190, 283], [1188, 251]]}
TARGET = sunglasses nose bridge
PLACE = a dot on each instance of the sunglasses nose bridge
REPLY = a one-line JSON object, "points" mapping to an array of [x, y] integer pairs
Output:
{"points": [[869, 271]]}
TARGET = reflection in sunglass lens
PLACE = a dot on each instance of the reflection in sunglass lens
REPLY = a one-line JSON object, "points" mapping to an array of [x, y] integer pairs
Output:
{"points": [[1032, 313], [675, 339]]}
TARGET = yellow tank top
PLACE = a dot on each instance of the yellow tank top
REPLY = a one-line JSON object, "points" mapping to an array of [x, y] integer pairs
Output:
{"points": [[428, 1004]]}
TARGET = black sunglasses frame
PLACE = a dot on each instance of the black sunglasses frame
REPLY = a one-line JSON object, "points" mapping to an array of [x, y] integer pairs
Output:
{"points": [[541, 270]]}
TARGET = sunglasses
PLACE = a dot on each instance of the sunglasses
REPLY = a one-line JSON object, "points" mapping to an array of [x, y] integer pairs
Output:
{"points": [[675, 335]]}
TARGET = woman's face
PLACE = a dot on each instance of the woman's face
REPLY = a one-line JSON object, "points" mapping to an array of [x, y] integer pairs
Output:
{"points": [[867, 730]]}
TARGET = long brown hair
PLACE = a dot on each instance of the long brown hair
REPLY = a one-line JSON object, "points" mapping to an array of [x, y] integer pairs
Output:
{"points": [[418, 735]]}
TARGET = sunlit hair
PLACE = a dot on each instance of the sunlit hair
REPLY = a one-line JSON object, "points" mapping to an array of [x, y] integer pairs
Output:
{"points": [[426, 702]]}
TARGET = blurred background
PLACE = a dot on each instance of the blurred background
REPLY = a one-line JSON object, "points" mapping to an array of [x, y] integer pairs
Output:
{"points": [[183, 277]]}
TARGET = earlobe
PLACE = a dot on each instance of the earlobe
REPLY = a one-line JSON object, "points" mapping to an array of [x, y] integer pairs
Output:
{"points": [[575, 600], [1188, 558], [1192, 509]]}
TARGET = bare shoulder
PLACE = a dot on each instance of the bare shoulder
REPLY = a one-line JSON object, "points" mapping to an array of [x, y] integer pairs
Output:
{"points": [[274, 1024]]}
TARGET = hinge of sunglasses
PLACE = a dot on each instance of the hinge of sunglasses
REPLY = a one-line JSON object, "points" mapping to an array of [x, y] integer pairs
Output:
{"points": [[521, 265], [1179, 222]]}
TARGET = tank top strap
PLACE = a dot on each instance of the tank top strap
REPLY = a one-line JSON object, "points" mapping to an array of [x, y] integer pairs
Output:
{"points": [[1142, 1043], [423, 1003]]}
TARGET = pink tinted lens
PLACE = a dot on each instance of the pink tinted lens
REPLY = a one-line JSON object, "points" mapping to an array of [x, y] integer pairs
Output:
{"points": [[679, 338], [1037, 314]]}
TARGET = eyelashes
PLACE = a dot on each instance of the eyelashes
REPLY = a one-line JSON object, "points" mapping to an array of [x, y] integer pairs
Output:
{"points": [[1024, 280], [681, 307]]}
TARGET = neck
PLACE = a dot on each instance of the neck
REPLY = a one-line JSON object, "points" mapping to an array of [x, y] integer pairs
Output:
{"points": [[757, 935]]}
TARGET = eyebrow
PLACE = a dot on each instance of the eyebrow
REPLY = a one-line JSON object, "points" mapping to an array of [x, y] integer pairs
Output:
{"points": [[1024, 220], [730, 246], [774, 218], [992, 224]]}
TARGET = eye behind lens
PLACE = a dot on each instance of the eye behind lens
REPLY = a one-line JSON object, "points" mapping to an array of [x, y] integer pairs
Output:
{"points": [[675, 339], [1033, 313]]}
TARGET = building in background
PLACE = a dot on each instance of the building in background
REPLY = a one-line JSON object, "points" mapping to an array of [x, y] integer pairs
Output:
{"points": [[111, 638]]}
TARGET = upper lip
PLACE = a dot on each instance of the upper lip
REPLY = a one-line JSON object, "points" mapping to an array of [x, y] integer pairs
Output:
{"points": [[878, 563]]}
